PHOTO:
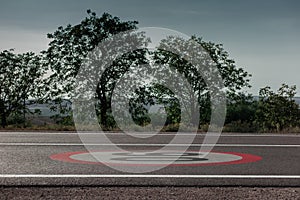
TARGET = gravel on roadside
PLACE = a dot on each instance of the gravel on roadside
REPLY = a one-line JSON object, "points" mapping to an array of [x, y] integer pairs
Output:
{"points": [[125, 193]]}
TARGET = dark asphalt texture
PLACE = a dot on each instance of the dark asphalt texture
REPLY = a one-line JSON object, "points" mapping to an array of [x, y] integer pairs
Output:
{"points": [[127, 193], [34, 159]]}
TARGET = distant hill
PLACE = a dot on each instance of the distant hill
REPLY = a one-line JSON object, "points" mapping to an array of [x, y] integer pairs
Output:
{"points": [[47, 112], [45, 109], [297, 99]]}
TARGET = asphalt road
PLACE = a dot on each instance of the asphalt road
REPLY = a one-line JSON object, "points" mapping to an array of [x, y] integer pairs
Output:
{"points": [[25, 160]]}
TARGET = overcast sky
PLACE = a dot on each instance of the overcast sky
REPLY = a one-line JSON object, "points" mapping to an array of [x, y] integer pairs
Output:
{"points": [[261, 36]]}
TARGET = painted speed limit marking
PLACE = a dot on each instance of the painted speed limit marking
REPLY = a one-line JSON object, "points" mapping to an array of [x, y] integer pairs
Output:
{"points": [[189, 158]]}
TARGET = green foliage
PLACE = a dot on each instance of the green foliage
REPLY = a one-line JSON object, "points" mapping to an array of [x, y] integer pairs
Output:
{"points": [[66, 120], [110, 123], [15, 118], [150, 96], [20, 79], [241, 127], [277, 111], [241, 107], [198, 97], [69, 47]]}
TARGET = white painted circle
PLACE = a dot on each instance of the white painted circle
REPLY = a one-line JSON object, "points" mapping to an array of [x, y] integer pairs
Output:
{"points": [[142, 158]]}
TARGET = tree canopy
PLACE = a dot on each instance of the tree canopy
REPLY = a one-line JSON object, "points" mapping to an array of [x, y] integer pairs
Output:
{"points": [[20, 79], [70, 45], [277, 110], [197, 93]]}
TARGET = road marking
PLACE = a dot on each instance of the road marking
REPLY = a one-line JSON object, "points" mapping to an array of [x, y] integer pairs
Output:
{"points": [[163, 158], [148, 176], [146, 134], [140, 144]]}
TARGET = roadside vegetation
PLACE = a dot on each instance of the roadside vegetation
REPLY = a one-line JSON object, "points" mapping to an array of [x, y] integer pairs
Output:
{"points": [[27, 79]]}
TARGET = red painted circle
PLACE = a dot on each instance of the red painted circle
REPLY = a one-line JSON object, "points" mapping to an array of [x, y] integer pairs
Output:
{"points": [[246, 158]]}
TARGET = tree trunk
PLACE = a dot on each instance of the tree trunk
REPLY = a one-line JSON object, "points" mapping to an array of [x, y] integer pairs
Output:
{"points": [[103, 104], [103, 114], [3, 121], [3, 114]]}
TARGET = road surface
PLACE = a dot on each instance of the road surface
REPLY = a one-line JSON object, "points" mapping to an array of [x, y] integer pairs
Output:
{"points": [[29, 159]]}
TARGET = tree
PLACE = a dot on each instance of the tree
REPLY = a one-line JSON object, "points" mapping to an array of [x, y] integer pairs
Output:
{"points": [[149, 96], [241, 107], [234, 78], [20, 79], [69, 47], [168, 61], [277, 111]]}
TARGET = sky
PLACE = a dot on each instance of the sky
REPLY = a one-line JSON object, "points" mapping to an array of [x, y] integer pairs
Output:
{"points": [[262, 36]]}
